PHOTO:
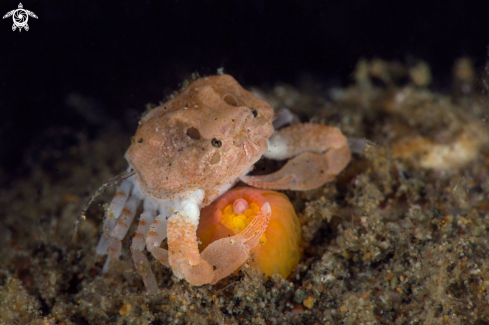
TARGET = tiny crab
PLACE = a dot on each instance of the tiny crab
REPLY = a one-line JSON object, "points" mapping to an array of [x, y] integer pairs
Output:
{"points": [[189, 151]]}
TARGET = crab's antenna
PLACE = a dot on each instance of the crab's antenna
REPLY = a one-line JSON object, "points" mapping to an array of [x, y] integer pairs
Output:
{"points": [[99, 191]]}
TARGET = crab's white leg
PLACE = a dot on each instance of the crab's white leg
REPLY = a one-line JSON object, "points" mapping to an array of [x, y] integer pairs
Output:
{"points": [[145, 221], [120, 230], [114, 212], [157, 233], [137, 247], [120, 197], [103, 243], [126, 218]]}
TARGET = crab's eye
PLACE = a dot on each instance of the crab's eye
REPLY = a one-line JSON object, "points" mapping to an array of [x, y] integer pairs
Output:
{"points": [[216, 143], [254, 111], [193, 133]]}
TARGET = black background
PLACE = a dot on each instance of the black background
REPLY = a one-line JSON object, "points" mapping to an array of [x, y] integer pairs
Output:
{"points": [[124, 54]]}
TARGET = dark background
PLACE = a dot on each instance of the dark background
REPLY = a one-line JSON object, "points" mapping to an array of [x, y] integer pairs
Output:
{"points": [[124, 54]]}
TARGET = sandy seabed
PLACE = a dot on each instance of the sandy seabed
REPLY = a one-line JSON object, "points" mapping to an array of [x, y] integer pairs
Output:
{"points": [[400, 237]]}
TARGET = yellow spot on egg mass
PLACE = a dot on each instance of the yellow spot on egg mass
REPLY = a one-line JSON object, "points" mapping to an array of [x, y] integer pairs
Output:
{"points": [[238, 222]]}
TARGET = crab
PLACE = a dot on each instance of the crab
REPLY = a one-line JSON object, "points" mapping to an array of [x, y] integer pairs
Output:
{"points": [[189, 151]]}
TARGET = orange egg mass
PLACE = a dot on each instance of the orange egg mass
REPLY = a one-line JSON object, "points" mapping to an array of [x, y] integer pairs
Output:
{"points": [[279, 250]]}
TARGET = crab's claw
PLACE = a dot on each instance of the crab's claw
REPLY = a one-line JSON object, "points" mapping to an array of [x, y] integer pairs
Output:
{"points": [[226, 255], [219, 259], [320, 152]]}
